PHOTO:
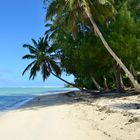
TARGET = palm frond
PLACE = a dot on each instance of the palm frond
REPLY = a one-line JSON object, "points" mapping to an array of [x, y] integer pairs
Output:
{"points": [[54, 8], [32, 50], [43, 45], [34, 70], [48, 25], [55, 67], [35, 43], [28, 67], [45, 72], [29, 56], [52, 49]]}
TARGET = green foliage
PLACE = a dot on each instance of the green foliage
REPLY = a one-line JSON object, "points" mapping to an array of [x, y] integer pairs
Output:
{"points": [[70, 13], [124, 37], [134, 7], [80, 50]]}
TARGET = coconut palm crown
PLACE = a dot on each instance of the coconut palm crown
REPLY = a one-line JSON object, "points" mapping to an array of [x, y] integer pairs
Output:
{"points": [[43, 61]]}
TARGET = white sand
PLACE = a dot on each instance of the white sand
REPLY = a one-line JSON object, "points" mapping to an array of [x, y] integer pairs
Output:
{"points": [[57, 118]]}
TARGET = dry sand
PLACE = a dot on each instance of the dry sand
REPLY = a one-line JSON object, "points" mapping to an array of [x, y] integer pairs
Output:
{"points": [[59, 117]]}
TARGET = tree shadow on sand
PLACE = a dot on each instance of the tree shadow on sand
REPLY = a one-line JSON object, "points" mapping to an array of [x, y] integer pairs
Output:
{"points": [[128, 106], [49, 100], [77, 96]]}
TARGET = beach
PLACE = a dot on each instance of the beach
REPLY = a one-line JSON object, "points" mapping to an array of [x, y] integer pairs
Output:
{"points": [[73, 117]]}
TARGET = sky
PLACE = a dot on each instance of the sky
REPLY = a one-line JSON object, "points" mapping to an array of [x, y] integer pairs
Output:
{"points": [[21, 20]]}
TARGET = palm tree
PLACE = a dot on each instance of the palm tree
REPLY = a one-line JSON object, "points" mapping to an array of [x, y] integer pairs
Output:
{"points": [[74, 9], [43, 60]]}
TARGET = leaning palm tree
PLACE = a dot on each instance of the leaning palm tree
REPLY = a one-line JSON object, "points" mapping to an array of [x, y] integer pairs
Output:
{"points": [[86, 10], [43, 60]]}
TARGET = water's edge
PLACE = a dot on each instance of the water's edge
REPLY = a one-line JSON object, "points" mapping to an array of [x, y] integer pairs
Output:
{"points": [[40, 95], [26, 101], [20, 104]]}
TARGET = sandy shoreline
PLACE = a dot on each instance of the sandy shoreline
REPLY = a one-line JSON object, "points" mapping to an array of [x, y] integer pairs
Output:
{"points": [[60, 117]]}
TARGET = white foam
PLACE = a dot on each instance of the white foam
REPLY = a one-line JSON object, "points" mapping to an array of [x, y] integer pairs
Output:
{"points": [[18, 105]]}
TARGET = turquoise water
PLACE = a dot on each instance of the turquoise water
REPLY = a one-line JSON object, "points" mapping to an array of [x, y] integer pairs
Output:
{"points": [[11, 98]]}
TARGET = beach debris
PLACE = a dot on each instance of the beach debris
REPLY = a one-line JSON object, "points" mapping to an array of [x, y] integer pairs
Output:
{"points": [[106, 109], [133, 120]]}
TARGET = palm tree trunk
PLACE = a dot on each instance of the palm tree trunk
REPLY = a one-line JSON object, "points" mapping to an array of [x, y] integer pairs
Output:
{"points": [[105, 84], [118, 78], [122, 83], [116, 58], [96, 84], [134, 74], [65, 81], [133, 71]]}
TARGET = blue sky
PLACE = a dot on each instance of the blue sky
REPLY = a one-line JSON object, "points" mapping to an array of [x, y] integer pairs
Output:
{"points": [[20, 20]]}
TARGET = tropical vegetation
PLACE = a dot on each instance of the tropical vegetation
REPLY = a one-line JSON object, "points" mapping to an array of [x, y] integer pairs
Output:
{"points": [[85, 36]]}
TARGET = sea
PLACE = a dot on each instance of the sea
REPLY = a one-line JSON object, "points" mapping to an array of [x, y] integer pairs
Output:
{"points": [[15, 97]]}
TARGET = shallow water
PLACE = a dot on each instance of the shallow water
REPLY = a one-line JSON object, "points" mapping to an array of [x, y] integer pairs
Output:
{"points": [[11, 98]]}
